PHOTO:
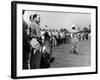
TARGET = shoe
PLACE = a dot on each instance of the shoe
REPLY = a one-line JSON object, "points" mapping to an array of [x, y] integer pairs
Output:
{"points": [[52, 59]]}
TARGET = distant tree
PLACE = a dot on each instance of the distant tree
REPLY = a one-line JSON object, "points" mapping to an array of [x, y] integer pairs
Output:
{"points": [[89, 28], [79, 29], [61, 30], [64, 30], [85, 29]]}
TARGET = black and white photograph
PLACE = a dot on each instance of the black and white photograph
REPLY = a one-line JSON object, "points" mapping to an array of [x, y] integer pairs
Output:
{"points": [[54, 39]]}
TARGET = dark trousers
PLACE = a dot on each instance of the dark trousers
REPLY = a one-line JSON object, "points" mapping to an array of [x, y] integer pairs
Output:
{"points": [[25, 59], [26, 50], [35, 60]]}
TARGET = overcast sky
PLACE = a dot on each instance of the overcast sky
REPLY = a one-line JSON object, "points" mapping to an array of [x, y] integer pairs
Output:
{"points": [[59, 20]]}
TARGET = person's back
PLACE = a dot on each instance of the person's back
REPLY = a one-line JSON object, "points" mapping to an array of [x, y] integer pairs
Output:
{"points": [[34, 29]]}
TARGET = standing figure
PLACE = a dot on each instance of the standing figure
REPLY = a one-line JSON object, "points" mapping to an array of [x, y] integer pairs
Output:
{"points": [[35, 54], [26, 45], [74, 40]]}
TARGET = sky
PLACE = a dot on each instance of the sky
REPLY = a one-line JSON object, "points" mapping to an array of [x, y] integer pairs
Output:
{"points": [[58, 20]]}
